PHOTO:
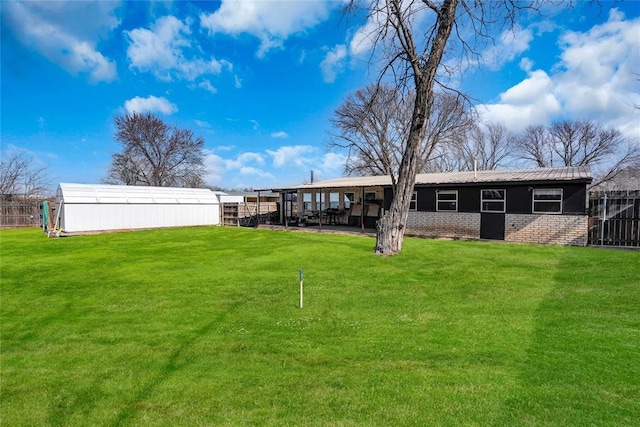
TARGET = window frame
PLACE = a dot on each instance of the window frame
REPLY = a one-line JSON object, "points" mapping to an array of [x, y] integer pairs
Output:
{"points": [[503, 201], [413, 203], [558, 191], [438, 201], [351, 200], [334, 200], [307, 205]]}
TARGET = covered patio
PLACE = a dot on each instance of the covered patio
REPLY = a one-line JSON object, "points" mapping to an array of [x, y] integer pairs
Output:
{"points": [[342, 203]]}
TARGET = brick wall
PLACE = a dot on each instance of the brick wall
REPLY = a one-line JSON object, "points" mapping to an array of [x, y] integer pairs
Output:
{"points": [[547, 229], [523, 228], [462, 225]]}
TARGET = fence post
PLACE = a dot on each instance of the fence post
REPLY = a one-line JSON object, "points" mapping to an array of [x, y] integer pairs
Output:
{"points": [[604, 218]]}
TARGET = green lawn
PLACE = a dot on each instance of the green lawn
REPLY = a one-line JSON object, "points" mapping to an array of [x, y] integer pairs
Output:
{"points": [[201, 326]]}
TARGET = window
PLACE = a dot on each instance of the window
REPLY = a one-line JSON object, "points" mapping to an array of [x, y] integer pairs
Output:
{"points": [[334, 200], [349, 199], [306, 199], [447, 200], [493, 200], [413, 205], [370, 196], [547, 200], [320, 199]]}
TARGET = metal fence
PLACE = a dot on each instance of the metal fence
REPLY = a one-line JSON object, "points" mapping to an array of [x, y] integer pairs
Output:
{"points": [[614, 218], [20, 213]]}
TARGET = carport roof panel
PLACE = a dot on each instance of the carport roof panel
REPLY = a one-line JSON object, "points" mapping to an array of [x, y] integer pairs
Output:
{"points": [[128, 194]]}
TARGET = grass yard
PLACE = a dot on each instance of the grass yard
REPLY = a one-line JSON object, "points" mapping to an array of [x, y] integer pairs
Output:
{"points": [[201, 326]]}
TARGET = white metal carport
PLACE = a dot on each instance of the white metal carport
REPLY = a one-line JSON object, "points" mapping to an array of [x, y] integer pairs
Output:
{"points": [[97, 207]]}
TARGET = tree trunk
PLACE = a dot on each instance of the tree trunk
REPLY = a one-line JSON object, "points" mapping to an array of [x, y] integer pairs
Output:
{"points": [[391, 227]]}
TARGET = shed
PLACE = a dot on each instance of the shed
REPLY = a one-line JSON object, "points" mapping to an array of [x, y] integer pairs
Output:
{"points": [[96, 207]]}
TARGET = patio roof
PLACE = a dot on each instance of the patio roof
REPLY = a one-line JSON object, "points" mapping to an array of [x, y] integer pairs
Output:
{"points": [[565, 173]]}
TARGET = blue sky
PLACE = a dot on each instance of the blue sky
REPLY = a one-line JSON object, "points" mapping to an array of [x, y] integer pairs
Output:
{"points": [[258, 80]]}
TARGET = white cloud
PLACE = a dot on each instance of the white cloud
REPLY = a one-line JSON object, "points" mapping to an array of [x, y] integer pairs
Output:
{"points": [[224, 148], [333, 163], [271, 22], [293, 155], [202, 124], [224, 172], [163, 50], [70, 43], [526, 64], [280, 135], [290, 164], [363, 40], [206, 85], [333, 63], [511, 44], [595, 79], [597, 75], [150, 104], [243, 160], [237, 81], [530, 102], [365, 37], [215, 168], [251, 171]]}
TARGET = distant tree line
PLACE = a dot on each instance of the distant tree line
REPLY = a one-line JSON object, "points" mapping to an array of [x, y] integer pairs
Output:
{"points": [[21, 176], [372, 126]]}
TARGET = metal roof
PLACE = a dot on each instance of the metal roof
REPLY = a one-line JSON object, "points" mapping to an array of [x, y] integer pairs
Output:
{"points": [[130, 194], [263, 193], [565, 173]]}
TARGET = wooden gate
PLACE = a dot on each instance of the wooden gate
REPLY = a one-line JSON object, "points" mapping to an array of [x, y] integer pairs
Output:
{"points": [[614, 218]]}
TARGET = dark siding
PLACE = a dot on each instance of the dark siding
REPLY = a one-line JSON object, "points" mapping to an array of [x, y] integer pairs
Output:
{"points": [[426, 199], [575, 199], [388, 198], [468, 199], [519, 197], [519, 200]]}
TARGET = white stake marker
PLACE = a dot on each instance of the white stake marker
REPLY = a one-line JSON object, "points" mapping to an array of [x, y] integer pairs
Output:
{"points": [[301, 290]]}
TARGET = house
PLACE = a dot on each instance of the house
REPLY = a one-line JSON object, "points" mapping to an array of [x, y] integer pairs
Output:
{"points": [[542, 205]]}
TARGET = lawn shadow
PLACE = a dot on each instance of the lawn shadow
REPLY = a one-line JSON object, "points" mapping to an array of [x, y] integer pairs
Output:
{"points": [[171, 366], [581, 367]]}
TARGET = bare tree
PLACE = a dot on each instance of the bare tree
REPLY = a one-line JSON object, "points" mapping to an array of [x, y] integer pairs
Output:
{"points": [[534, 146], [22, 176], [413, 52], [487, 147], [156, 154], [580, 143], [369, 125], [372, 124], [627, 178], [448, 125]]}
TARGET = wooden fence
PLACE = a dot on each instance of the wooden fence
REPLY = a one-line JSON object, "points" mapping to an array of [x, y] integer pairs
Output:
{"points": [[20, 213], [614, 218], [248, 214]]}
